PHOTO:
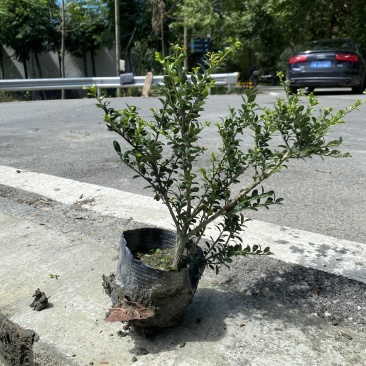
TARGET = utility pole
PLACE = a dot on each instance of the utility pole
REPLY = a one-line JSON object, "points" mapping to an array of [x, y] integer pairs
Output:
{"points": [[62, 61], [185, 36], [118, 41]]}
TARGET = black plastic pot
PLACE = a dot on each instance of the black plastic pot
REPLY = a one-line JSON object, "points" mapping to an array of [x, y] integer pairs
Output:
{"points": [[164, 294]]}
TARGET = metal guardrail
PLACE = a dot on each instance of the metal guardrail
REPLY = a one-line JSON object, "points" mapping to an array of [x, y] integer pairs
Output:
{"points": [[101, 82]]}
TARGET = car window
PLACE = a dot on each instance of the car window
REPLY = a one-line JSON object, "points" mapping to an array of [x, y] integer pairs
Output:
{"points": [[332, 44]]}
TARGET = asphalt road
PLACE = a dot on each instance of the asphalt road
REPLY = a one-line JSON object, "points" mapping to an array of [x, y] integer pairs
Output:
{"points": [[68, 139]]}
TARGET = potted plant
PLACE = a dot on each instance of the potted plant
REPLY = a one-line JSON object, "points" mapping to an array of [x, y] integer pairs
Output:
{"points": [[165, 151]]}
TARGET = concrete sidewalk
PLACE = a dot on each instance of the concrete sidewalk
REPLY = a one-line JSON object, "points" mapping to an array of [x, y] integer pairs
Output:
{"points": [[221, 327]]}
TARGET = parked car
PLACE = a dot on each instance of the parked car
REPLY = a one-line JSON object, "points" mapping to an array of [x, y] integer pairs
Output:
{"points": [[325, 64]]}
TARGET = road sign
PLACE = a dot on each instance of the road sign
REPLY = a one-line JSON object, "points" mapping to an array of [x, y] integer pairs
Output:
{"points": [[201, 45]]}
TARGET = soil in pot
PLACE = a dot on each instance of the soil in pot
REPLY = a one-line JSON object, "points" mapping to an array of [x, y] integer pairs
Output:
{"points": [[157, 258]]}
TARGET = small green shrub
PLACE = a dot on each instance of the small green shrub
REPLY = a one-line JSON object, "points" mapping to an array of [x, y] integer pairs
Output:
{"points": [[15, 96], [165, 151]]}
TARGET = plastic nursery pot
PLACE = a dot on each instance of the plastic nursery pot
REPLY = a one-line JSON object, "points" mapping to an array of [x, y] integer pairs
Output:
{"points": [[147, 297]]}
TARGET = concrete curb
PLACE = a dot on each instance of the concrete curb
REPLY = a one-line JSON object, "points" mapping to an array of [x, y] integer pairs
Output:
{"points": [[337, 256]]}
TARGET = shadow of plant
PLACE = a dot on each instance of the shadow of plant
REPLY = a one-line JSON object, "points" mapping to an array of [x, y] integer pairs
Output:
{"points": [[334, 298], [262, 288], [203, 321]]}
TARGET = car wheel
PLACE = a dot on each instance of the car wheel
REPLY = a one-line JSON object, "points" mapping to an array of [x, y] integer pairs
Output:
{"points": [[359, 89]]}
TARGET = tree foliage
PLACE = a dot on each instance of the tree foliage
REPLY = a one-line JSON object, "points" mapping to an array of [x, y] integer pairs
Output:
{"points": [[86, 30], [269, 29], [28, 26]]}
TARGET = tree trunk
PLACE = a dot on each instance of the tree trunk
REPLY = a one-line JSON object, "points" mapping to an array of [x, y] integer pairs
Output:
{"points": [[38, 65], [2, 71], [25, 68], [93, 63], [162, 37], [185, 41], [330, 27], [85, 66], [34, 92], [39, 71], [180, 245], [139, 61]]}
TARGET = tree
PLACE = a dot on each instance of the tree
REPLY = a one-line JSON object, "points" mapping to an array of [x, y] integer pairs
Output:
{"points": [[85, 23], [28, 27]]}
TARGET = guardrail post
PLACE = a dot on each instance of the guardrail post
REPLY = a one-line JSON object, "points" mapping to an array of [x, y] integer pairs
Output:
{"points": [[147, 85]]}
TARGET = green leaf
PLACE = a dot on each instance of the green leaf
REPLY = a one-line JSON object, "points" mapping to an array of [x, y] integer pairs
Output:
{"points": [[116, 146]]}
